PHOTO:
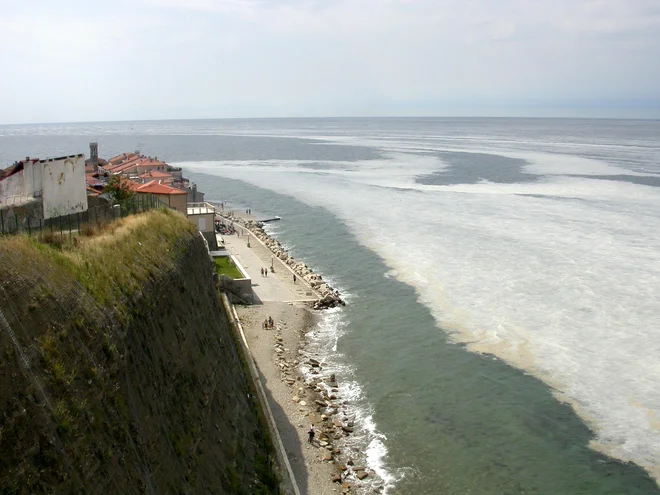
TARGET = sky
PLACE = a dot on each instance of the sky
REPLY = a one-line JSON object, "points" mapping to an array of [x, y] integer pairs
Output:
{"points": [[77, 61]]}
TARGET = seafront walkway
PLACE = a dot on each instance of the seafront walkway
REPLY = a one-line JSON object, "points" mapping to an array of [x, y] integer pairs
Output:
{"points": [[276, 286], [275, 352]]}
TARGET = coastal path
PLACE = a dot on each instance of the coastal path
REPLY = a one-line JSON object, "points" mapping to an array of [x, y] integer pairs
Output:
{"points": [[276, 286], [278, 297]]}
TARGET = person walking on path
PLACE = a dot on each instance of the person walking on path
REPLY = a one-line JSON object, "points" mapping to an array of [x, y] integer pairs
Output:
{"points": [[311, 434], [294, 278]]}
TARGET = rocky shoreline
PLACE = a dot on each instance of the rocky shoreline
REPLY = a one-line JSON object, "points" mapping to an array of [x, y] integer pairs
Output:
{"points": [[329, 297], [317, 395], [314, 391]]}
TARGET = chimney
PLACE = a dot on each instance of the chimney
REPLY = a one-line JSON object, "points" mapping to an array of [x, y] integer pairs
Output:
{"points": [[94, 155]]}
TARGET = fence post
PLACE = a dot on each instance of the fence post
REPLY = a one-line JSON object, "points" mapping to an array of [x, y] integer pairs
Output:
{"points": [[68, 219], [29, 228], [78, 219], [41, 229], [60, 224], [2, 222]]}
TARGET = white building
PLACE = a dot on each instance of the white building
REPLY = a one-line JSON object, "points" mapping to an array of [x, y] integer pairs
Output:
{"points": [[203, 216], [58, 182]]}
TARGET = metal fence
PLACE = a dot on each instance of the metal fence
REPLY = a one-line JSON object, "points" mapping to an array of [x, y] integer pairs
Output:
{"points": [[95, 216]]}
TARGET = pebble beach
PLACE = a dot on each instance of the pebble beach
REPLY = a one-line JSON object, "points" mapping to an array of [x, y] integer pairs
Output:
{"points": [[300, 392]]}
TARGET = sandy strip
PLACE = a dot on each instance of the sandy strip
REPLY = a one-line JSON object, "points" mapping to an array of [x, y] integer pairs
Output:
{"points": [[312, 473], [277, 352]]}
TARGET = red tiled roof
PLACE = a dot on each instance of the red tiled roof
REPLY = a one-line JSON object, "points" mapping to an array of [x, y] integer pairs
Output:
{"points": [[91, 180], [133, 186], [125, 165], [156, 174], [116, 160], [153, 187], [134, 162], [150, 162]]}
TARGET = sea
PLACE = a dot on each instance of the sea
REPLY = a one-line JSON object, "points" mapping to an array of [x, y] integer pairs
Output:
{"points": [[502, 278]]}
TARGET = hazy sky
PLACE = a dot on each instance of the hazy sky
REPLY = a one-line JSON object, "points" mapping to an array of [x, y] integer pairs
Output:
{"points": [[81, 60]]}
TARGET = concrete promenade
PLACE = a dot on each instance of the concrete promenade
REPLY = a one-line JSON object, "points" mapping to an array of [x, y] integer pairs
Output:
{"points": [[275, 354], [276, 286]]}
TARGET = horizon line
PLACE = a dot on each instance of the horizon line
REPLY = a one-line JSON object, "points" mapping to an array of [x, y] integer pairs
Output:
{"points": [[493, 117]]}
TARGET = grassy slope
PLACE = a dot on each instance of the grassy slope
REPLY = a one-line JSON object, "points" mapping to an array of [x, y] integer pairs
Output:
{"points": [[109, 378], [124, 256]]}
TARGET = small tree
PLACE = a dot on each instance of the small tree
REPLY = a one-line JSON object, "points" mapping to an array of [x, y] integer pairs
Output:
{"points": [[118, 188]]}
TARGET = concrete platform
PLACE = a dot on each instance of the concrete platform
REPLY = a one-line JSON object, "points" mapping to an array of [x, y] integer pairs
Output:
{"points": [[277, 286]]}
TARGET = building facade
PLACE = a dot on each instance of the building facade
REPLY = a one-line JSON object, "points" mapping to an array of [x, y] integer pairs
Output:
{"points": [[59, 183], [172, 197], [203, 216]]}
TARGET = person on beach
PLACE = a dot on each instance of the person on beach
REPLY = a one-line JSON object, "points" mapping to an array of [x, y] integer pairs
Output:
{"points": [[262, 271], [311, 434], [266, 272], [294, 279], [270, 322]]}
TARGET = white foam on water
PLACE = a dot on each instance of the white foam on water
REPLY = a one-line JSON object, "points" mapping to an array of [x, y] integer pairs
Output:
{"points": [[564, 164], [377, 453], [562, 284], [366, 442]]}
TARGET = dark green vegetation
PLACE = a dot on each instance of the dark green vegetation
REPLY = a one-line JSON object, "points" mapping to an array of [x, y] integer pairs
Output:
{"points": [[118, 370], [118, 188], [224, 266]]}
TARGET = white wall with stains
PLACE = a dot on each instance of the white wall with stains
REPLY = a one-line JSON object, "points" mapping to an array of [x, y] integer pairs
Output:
{"points": [[32, 172], [63, 182], [12, 189]]}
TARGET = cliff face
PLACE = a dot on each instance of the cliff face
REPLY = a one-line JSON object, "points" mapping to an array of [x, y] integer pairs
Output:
{"points": [[123, 378]]}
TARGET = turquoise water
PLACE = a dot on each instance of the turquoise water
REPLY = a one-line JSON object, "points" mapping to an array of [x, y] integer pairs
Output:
{"points": [[455, 422]]}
